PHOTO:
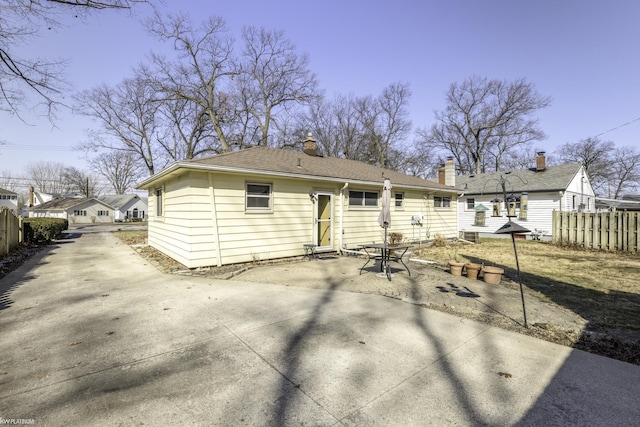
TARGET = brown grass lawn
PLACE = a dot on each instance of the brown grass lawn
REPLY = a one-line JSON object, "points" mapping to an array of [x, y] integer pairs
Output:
{"points": [[132, 237], [602, 287]]}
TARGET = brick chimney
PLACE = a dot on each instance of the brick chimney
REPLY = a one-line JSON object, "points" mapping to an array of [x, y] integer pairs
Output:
{"points": [[441, 174], [450, 173], [310, 146], [31, 198], [541, 161]]}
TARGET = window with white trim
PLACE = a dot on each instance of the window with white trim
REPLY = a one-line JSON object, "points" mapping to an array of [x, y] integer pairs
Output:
{"points": [[363, 199], [442, 201], [80, 213], [471, 203], [159, 201], [258, 197], [399, 199], [103, 213]]}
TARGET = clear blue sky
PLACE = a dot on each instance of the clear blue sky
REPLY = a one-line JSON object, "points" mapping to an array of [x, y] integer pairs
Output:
{"points": [[582, 53]]}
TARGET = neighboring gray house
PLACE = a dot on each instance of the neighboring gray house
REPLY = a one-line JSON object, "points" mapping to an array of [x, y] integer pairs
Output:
{"points": [[76, 210], [127, 207], [536, 192]]}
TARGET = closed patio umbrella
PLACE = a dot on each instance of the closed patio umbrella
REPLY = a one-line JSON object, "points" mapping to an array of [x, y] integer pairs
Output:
{"points": [[384, 219]]}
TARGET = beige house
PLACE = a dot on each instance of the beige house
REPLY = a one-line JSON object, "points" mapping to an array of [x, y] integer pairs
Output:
{"points": [[76, 210], [262, 203]]}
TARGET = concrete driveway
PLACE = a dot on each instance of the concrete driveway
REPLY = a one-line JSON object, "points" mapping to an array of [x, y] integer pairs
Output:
{"points": [[92, 335]]}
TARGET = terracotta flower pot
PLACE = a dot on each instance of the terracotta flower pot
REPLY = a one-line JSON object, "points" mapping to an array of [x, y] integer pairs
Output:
{"points": [[472, 270], [492, 275], [455, 267]]}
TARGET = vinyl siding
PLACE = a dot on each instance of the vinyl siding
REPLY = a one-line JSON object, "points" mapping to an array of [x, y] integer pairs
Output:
{"points": [[92, 217], [361, 225], [539, 213], [187, 229]]}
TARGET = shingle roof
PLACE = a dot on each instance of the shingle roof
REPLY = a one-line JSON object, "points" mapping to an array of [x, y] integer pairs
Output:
{"points": [[117, 200], [64, 203], [3, 191], [295, 163], [553, 178]]}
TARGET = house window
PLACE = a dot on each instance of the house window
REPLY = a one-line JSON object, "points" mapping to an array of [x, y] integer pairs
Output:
{"points": [[159, 202], [258, 196], [103, 213], [80, 213], [442, 201], [471, 203], [399, 200], [363, 198]]}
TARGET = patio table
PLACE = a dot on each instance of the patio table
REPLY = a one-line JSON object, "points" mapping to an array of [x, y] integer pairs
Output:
{"points": [[382, 252]]}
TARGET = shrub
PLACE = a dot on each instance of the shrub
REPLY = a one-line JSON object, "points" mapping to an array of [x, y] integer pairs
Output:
{"points": [[439, 241], [43, 230], [395, 238]]}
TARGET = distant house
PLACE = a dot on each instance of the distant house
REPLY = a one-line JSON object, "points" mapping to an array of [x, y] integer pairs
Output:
{"points": [[627, 203], [75, 210], [263, 203], [532, 194], [9, 200], [127, 207]]}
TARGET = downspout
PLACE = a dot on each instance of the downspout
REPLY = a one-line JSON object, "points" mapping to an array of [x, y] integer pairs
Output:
{"points": [[214, 213], [344, 187], [458, 213]]}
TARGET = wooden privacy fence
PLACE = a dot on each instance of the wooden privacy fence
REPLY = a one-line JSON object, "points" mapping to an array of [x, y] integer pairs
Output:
{"points": [[611, 231], [10, 231]]}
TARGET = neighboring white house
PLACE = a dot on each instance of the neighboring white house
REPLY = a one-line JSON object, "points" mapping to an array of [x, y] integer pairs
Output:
{"points": [[263, 203], [75, 210], [536, 192], [9, 200], [627, 203], [127, 207]]}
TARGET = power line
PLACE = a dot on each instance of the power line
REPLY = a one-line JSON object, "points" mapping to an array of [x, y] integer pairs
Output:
{"points": [[32, 147], [617, 127]]}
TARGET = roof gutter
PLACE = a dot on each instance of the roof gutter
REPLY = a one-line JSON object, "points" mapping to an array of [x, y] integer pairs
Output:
{"points": [[190, 166]]}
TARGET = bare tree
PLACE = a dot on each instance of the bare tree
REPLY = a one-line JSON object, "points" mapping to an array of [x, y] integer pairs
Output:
{"points": [[203, 72], [625, 171], [126, 114], [486, 119], [595, 155], [120, 168], [81, 182], [187, 131], [390, 125], [47, 177], [7, 182], [367, 128], [336, 126], [273, 76], [20, 22]]}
